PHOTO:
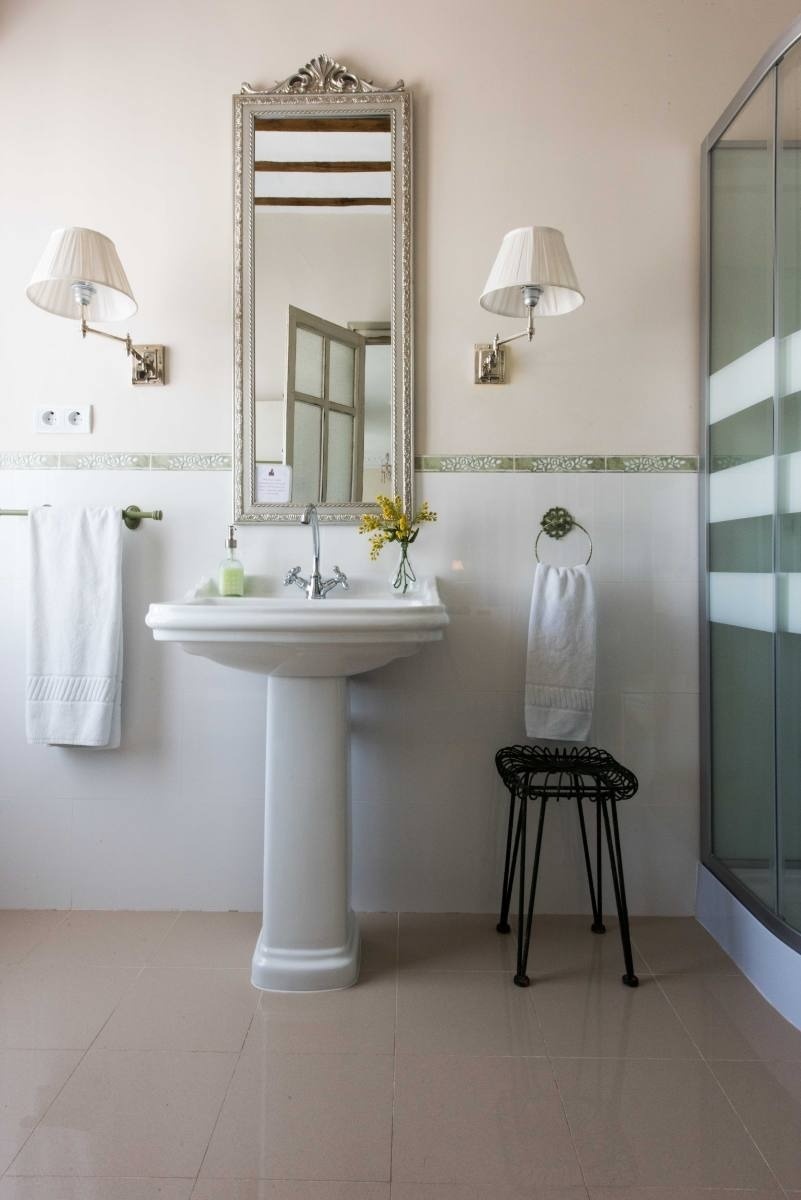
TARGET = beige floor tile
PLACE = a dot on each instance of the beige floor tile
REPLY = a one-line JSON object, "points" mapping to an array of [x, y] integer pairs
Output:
{"points": [[566, 946], [469, 942], [305, 1116], [485, 1122], [454, 942], [642, 1122], [61, 1188], [199, 939], [29, 1082], [22, 929], [285, 1189], [58, 1007], [674, 945], [461, 1191], [137, 1114], [594, 1015], [103, 939], [465, 1012], [726, 1016], [183, 1009], [357, 1020], [768, 1098], [379, 933]]}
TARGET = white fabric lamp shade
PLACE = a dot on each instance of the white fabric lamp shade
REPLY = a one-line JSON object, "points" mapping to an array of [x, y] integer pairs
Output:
{"points": [[81, 256], [534, 255]]}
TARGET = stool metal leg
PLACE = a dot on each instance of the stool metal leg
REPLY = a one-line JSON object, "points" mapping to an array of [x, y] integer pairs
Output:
{"points": [[616, 868], [598, 923], [503, 925], [523, 944], [587, 862], [521, 979]]}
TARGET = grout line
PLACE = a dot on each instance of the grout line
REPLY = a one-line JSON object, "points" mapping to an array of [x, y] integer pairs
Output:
{"points": [[75, 1068], [71, 844], [94, 1039], [45, 936], [531, 997], [223, 1100], [167, 933], [394, 1048], [709, 1067], [225, 1094]]}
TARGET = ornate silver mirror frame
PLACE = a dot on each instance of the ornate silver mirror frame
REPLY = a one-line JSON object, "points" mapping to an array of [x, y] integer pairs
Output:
{"points": [[324, 88]]}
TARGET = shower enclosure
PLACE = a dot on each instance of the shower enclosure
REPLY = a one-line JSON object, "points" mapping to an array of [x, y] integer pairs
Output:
{"points": [[751, 493]]}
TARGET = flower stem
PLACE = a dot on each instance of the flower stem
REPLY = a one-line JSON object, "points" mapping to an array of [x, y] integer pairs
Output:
{"points": [[405, 575]]}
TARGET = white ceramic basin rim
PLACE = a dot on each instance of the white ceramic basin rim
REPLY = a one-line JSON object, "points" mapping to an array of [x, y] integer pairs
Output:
{"points": [[292, 636]]}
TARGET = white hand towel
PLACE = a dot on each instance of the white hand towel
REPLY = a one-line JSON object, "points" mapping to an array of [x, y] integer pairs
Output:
{"points": [[75, 627], [560, 666]]}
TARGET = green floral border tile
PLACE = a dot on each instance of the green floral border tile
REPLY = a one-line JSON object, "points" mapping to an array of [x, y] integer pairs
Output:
{"points": [[461, 463], [113, 460], [105, 461], [553, 463], [559, 462], [24, 460], [651, 463], [31, 460], [191, 462]]}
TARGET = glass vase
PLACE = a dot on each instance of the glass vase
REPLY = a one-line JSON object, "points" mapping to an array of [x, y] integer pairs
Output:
{"points": [[404, 579]]}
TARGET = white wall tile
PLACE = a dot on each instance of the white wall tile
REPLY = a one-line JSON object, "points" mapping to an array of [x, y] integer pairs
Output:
{"points": [[174, 818], [35, 852], [660, 745]]}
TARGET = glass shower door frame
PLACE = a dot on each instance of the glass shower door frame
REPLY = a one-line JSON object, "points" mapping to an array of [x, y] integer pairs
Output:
{"points": [[772, 920]]}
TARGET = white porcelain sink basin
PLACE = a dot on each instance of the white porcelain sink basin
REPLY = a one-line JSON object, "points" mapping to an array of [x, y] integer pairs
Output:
{"points": [[306, 648], [286, 634]]}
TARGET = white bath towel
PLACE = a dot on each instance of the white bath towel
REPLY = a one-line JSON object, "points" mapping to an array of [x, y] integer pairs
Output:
{"points": [[560, 667], [75, 627]]}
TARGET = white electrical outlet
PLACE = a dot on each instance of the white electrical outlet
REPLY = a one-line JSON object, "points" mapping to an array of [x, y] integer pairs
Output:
{"points": [[47, 419], [70, 418], [77, 418]]}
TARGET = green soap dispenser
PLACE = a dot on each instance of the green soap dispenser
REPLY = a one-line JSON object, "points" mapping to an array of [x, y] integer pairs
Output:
{"points": [[231, 578]]}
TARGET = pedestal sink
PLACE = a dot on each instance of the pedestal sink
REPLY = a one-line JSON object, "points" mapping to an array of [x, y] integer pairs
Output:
{"points": [[307, 649]]}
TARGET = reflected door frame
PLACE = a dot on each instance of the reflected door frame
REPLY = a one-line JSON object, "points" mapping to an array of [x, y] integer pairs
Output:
{"points": [[329, 332]]}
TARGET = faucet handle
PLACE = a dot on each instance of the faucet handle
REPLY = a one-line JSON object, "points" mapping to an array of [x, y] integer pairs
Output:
{"points": [[292, 576], [338, 579]]}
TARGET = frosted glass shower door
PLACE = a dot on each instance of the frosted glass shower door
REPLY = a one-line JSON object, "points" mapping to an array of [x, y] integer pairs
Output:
{"points": [[741, 501], [788, 531]]}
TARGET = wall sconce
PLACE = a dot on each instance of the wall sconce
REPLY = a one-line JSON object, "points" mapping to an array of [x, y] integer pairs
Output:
{"points": [[80, 276], [532, 270]]}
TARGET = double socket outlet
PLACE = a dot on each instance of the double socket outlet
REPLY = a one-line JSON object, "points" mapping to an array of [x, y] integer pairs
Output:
{"points": [[69, 418]]}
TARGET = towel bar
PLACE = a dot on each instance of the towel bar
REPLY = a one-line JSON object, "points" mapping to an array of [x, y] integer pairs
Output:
{"points": [[132, 515]]}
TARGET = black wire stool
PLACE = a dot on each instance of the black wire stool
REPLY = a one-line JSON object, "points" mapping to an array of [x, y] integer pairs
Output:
{"points": [[529, 773]]}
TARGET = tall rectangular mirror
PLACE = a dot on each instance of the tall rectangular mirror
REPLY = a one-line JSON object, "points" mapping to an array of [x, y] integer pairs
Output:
{"points": [[322, 296]]}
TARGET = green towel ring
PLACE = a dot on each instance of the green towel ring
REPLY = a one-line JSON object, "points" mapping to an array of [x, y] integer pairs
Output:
{"points": [[557, 523]]}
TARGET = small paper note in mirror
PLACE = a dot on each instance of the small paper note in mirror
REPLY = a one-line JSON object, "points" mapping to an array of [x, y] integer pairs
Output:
{"points": [[273, 483]]}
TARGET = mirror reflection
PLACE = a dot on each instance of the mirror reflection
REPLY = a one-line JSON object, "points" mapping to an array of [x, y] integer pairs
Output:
{"points": [[323, 257]]}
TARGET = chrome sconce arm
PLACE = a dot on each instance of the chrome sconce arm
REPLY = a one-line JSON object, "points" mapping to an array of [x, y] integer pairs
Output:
{"points": [[148, 364], [490, 359]]}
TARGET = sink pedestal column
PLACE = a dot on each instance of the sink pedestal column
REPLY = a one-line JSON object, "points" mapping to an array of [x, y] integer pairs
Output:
{"points": [[309, 939]]}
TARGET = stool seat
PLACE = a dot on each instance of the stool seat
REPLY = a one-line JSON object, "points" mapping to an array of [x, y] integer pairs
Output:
{"points": [[514, 763], [543, 773]]}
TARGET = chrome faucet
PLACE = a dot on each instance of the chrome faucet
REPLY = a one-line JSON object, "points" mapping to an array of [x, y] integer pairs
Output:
{"points": [[315, 587]]}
